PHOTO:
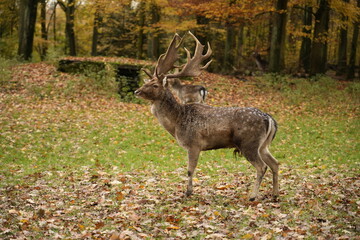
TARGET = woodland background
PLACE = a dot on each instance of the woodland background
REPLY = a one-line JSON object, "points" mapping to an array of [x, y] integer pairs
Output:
{"points": [[292, 36]]}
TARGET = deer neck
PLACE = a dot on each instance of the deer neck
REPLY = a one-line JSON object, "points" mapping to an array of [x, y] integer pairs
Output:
{"points": [[167, 110]]}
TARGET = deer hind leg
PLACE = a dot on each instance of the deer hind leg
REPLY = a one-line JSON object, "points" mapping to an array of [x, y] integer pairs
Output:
{"points": [[254, 158], [193, 156], [274, 166]]}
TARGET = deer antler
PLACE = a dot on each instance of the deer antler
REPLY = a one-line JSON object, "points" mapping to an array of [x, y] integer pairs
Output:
{"points": [[147, 72], [192, 68], [166, 61]]}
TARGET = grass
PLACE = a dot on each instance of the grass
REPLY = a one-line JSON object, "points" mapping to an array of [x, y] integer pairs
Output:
{"points": [[38, 137], [134, 140], [68, 139]]}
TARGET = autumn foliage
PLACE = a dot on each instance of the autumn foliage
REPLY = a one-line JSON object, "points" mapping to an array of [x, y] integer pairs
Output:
{"points": [[315, 36]]}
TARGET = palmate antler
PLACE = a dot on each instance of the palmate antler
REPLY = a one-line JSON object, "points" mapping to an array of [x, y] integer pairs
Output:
{"points": [[193, 67], [167, 60]]}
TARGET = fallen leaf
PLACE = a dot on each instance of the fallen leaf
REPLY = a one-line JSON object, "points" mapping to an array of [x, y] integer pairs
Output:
{"points": [[119, 196], [247, 236], [99, 225]]}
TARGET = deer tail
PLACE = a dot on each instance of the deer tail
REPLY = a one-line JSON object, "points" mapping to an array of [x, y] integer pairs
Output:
{"points": [[271, 129], [203, 93]]}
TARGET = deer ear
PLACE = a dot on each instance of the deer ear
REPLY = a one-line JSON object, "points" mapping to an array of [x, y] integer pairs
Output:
{"points": [[165, 82]]}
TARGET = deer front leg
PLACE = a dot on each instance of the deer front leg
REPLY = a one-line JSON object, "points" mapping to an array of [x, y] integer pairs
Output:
{"points": [[193, 156]]}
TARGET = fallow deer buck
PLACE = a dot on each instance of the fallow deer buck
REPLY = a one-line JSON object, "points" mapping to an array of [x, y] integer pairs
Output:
{"points": [[188, 93], [199, 127]]}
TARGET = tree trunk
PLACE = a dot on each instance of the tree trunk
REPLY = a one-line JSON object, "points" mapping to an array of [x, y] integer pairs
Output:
{"points": [[44, 34], [70, 23], [202, 31], [95, 37], [69, 10], [305, 50], [277, 48], [228, 62], [342, 50], [155, 45], [351, 68], [153, 39], [54, 25], [271, 26], [239, 46], [140, 37], [318, 56], [28, 9]]}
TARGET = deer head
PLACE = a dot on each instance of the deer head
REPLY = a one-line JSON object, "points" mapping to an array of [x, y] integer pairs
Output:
{"points": [[166, 63]]}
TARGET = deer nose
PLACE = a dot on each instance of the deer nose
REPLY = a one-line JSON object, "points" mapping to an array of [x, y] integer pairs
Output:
{"points": [[137, 92]]}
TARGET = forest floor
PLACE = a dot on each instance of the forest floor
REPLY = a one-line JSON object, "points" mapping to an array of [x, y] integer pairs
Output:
{"points": [[77, 163]]}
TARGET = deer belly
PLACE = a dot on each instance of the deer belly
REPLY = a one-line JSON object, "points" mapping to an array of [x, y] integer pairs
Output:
{"points": [[210, 145], [216, 141]]}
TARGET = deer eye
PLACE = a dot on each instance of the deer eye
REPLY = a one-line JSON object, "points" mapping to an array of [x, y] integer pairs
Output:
{"points": [[155, 86]]}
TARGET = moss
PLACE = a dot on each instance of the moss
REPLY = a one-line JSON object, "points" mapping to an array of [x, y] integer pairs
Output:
{"points": [[77, 66], [127, 74]]}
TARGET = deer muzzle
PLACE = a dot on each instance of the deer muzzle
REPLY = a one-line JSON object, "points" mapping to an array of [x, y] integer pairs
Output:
{"points": [[137, 92]]}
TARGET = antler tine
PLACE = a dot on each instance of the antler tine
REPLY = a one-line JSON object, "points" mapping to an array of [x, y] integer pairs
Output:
{"points": [[166, 61], [147, 72], [192, 68], [207, 55], [200, 48]]}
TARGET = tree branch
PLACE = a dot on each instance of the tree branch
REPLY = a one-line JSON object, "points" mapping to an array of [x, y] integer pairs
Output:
{"points": [[62, 5], [51, 16]]}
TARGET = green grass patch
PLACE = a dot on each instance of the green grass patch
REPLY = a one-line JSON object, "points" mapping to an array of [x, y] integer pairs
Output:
{"points": [[34, 140]]}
